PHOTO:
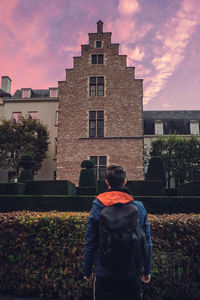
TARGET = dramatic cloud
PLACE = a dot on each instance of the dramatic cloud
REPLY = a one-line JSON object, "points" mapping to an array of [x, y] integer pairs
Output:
{"points": [[38, 40], [174, 39], [128, 7]]}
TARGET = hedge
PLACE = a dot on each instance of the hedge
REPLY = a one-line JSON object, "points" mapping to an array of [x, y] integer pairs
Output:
{"points": [[50, 187], [86, 191], [137, 187], [153, 204], [41, 255], [12, 188], [45, 203], [189, 189]]}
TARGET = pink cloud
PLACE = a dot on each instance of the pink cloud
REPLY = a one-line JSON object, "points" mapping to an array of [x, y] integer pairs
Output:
{"points": [[136, 54], [174, 39], [128, 7]]}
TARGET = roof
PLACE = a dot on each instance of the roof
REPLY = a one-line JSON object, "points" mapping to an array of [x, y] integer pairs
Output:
{"points": [[173, 120], [4, 94], [34, 93]]}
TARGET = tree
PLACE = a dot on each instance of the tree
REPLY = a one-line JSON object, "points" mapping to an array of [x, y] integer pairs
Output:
{"points": [[26, 137], [181, 157]]}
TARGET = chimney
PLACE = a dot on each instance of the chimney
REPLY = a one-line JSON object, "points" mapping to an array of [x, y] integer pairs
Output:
{"points": [[6, 84], [99, 27]]}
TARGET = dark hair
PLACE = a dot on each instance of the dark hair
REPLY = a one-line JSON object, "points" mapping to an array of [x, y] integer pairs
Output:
{"points": [[115, 175]]}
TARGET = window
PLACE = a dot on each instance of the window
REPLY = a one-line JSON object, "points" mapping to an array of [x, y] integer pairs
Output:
{"points": [[16, 117], [100, 166], [97, 59], [96, 86], [96, 123], [98, 44], [57, 118], [54, 175], [26, 93], [53, 92], [32, 115]]}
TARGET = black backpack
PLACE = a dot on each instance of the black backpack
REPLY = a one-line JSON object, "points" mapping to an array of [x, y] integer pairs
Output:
{"points": [[122, 243]]}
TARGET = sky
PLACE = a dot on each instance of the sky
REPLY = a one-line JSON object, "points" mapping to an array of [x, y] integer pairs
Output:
{"points": [[161, 38]]}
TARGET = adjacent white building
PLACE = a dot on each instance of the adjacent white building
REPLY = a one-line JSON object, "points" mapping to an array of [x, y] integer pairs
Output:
{"points": [[35, 104]]}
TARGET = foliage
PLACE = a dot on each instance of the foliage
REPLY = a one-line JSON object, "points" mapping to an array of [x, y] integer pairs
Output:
{"points": [[189, 189], [181, 157], [41, 254], [27, 164], [153, 204], [87, 176], [156, 170], [87, 164], [12, 188], [21, 138], [50, 187]]}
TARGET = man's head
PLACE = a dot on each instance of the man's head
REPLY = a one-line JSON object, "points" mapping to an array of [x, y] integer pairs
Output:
{"points": [[115, 176]]}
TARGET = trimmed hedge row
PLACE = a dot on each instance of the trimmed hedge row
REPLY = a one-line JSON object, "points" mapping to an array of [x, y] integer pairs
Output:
{"points": [[50, 187], [45, 203], [41, 255], [12, 188], [191, 188], [138, 187], [40, 187], [153, 204]]}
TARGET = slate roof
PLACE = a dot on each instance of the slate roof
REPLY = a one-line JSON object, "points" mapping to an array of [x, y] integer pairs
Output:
{"points": [[173, 120], [4, 94], [34, 94]]}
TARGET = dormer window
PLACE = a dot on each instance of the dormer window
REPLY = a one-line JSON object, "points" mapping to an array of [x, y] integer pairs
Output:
{"points": [[97, 59], [158, 127], [26, 93], [53, 92], [98, 44], [194, 127]]}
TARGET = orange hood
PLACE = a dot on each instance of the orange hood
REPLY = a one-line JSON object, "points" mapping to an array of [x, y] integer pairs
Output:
{"points": [[110, 198]]}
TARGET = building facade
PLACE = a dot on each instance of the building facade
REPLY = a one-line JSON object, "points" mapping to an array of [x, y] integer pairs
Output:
{"points": [[162, 123], [33, 104], [100, 112]]}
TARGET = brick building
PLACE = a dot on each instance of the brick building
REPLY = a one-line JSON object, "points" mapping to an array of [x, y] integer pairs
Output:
{"points": [[100, 112]]}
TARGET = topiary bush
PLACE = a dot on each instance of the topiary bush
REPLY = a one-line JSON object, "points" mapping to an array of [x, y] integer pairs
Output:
{"points": [[156, 170], [41, 254], [87, 176], [27, 164]]}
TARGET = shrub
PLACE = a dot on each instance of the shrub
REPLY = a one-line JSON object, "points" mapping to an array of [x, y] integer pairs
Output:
{"points": [[87, 175], [153, 204], [146, 187], [170, 192], [45, 203], [12, 188], [27, 164], [86, 191], [41, 255], [50, 187], [156, 170], [101, 186], [137, 187], [189, 189]]}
